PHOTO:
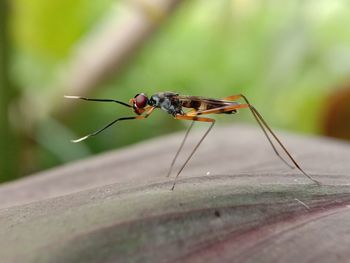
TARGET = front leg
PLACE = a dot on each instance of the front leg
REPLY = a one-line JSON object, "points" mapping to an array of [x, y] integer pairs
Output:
{"points": [[138, 117]]}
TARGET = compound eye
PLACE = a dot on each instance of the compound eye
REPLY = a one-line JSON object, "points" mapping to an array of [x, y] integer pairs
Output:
{"points": [[141, 100]]}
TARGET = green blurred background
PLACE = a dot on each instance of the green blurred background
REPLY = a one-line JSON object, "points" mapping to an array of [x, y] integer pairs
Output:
{"points": [[291, 58]]}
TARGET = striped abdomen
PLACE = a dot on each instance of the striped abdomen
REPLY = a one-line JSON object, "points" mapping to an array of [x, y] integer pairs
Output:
{"points": [[201, 104]]}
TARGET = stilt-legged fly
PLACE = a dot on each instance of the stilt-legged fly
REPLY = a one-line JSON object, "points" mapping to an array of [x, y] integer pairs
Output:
{"points": [[174, 104]]}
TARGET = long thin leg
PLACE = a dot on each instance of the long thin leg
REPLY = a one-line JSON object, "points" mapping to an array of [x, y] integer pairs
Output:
{"points": [[284, 148], [99, 100], [257, 115], [265, 133], [193, 118], [180, 148], [139, 117], [270, 141]]}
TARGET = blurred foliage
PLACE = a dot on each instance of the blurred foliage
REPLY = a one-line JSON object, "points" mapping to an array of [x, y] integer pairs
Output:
{"points": [[286, 56], [8, 144], [337, 114], [45, 32]]}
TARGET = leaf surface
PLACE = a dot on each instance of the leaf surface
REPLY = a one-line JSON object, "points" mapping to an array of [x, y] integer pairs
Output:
{"points": [[118, 207]]}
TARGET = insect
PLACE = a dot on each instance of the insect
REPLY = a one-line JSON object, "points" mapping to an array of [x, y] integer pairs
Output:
{"points": [[174, 104]]}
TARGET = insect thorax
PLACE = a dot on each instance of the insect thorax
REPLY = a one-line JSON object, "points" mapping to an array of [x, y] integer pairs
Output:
{"points": [[167, 101]]}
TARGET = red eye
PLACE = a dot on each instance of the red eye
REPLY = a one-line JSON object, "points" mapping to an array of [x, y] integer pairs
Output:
{"points": [[141, 100]]}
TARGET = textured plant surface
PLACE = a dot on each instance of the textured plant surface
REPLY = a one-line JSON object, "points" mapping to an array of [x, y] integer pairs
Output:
{"points": [[234, 202]]}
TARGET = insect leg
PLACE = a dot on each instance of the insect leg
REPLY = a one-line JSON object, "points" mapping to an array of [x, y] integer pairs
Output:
{"points": [[99, 100], [235, 97], [258, 117], [269, 139], [193, 118], [139, 117], [180, 148], [182, 144]]}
